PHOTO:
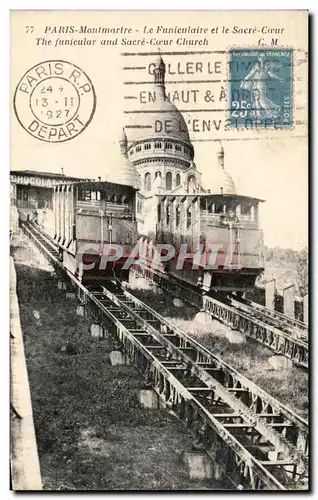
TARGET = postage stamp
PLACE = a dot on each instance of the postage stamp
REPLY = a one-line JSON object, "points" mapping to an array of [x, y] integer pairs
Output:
{"points": [[54, 101], [260, 87]]}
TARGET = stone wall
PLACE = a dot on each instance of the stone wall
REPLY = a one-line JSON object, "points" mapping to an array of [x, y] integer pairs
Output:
{"points": [[25, 466]]}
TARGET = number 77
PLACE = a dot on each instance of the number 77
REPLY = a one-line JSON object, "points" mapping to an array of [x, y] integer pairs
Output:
{"points": [[29, 29]]}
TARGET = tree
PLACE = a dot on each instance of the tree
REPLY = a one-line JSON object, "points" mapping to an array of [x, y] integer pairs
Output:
{"points": [[302, 271]]}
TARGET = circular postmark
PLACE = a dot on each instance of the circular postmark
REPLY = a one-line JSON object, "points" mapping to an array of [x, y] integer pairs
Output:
{"points": [[54, 101]]}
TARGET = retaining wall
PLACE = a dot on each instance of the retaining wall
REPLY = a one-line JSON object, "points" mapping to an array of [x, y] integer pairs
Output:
{"points": [[25, 466]]}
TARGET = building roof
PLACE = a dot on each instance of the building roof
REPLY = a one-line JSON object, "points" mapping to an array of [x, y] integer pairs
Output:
{"points": [[103, 186], [218, 197], [53, 175]]}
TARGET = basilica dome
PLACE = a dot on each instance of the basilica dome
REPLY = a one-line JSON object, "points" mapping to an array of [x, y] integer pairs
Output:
{"points": [[158, 118]]}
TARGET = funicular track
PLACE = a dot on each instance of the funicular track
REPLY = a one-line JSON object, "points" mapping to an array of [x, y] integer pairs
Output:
{"points": [[259, 442], [251, 321], [274, 318]]}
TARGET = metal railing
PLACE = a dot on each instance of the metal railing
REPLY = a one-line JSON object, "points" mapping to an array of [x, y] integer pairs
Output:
{"points": [[218, 387], [273, 338], [277, 340]]}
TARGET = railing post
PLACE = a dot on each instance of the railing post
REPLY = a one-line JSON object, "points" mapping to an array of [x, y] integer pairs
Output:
{"points": [[270, 289], [289, 301], [305, 309]]}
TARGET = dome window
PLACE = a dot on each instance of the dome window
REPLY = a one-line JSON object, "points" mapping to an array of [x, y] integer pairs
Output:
{"points": [[178, 147], [168, 181], [168, 145], [158, 145], [178, 180], [147, 182], [147, 146], [131, 152], [138, 148]]}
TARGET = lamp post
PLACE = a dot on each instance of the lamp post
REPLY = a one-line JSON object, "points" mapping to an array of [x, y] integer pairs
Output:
{"points": [[110, 227], [101, 213], [110, 230]]}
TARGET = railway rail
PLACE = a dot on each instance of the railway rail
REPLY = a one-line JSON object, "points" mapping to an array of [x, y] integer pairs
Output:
{"points": [[260, 442], [251, 321], [276, 319]]}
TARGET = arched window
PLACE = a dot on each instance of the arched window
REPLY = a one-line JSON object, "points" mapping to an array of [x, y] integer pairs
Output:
{"points": [[191, 183], [178, 180], [147, 182], [168, 181], [158, 174]]}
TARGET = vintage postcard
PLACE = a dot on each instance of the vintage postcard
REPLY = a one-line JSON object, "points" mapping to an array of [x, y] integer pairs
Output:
{"points": [[159, 250]]}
